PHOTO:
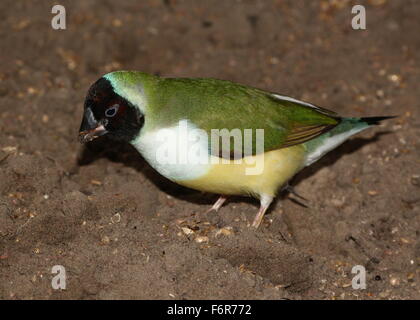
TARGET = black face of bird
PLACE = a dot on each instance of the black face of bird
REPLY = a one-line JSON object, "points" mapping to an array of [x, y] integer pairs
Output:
{"points": [[106, 112]]}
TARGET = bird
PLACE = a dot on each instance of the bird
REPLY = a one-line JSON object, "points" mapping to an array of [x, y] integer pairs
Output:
{"points": [[213, 135]]}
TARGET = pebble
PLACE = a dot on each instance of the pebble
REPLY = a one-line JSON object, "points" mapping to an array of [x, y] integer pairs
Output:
{"points": [[117, 23], [362, 98], [32, 90], [9, 149], [201, 239], [105, 240], [394, 281], [338, 203], [116, 218], [187, 231], [415, 180], [226, 231], [406, 241], [394, 78], [410, 277]]}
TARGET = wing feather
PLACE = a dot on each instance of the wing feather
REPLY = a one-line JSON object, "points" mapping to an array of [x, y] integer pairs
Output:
{"points": [[218, 104]]}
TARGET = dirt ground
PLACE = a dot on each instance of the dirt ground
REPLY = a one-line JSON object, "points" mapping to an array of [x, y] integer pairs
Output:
{"points": [[122, 231]]}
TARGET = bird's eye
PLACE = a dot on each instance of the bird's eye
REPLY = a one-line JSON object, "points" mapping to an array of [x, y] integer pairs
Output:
{"points": [[112, 111]]}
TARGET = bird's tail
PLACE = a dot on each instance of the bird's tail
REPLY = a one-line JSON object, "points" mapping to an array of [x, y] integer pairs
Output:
{"points": [[348, 127], [375, 120]]}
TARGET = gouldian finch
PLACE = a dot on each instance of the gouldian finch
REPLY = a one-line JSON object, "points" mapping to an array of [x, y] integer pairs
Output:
{"points": [[177, 125]]}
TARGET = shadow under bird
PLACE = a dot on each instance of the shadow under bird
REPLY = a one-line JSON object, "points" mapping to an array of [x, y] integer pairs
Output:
{"points": [[158, 116]]}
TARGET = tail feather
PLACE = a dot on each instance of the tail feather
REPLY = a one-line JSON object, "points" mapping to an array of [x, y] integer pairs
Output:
{"points": [[375, 120], [348, 127]]}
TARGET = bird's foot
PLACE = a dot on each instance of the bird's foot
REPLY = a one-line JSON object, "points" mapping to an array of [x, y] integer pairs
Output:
{"points": [[265, 203], [292, 190], [217, 205]]}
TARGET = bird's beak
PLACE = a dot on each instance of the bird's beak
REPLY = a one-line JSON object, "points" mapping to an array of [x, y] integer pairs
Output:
{"points": [[90, 129], [89, 135]]}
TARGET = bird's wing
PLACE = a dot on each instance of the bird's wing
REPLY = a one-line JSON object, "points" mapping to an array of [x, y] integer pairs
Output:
{"points": [[216, 104], [308, 120]]}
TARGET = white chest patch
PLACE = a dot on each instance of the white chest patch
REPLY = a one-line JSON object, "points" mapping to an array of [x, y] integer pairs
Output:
{"points": [[180, 152]]}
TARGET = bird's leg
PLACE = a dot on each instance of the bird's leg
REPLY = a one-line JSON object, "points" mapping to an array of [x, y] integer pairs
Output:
{"points": [[265, 202], [217, 205]]}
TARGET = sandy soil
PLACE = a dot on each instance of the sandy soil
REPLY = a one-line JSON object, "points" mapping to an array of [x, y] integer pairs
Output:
{"points": [[122, 231]]}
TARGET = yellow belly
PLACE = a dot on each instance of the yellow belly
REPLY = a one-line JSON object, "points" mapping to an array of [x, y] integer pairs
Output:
{"points": [[231, 178]]}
